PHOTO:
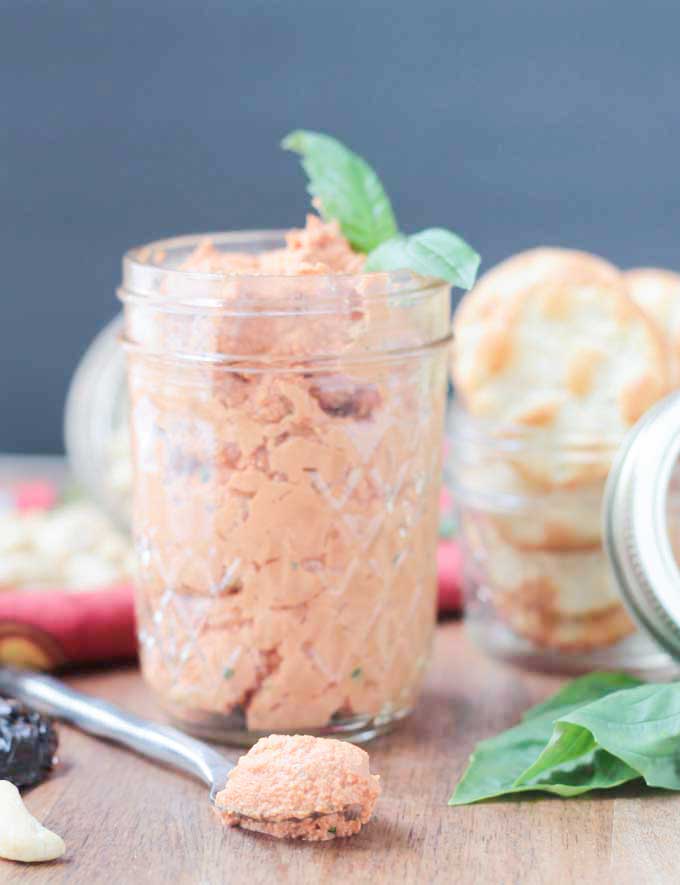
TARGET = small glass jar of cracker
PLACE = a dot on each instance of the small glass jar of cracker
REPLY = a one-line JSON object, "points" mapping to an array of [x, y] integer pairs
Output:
{"points": [[554, 361]]}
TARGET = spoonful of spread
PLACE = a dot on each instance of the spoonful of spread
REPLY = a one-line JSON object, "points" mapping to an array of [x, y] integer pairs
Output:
{"points": [[300, 787], [290, 787]]}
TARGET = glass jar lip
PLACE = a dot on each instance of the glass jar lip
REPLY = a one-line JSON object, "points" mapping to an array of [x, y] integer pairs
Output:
{"points": [[143, 268], [507, 438], [635, 523]]}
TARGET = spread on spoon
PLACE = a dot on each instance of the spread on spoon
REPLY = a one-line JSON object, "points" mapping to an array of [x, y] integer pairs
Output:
{"points": [[300, 787]]}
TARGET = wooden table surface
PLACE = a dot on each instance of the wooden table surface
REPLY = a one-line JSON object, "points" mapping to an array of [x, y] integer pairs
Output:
{"points": [[127, 821]]}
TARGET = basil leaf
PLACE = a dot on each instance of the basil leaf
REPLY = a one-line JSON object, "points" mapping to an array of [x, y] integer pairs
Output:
{"points": [[598, 770], [569, 743], [641, 727], [390, 255], [347, 188], [575, 764], [583, 690], [433, 252], [498, 764]]}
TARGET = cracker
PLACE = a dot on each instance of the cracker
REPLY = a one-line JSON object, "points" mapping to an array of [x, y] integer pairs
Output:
{"points": [[525, 269], [567, 364], [565, 634], [565, 600], [529, 516], [573, 583], [657, 293]]}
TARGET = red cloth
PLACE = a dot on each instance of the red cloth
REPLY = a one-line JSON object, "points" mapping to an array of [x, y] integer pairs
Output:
{"points": [[449, 564], [34, 495], [53, 628]]}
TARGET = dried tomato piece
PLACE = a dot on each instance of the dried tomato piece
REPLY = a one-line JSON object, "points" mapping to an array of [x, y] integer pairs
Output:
{"points": [[28, 743], [341, 397]]}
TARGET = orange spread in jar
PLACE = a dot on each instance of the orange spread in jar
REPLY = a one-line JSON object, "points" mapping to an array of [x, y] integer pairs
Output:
{"points": [[318, 248], [285, 514]]}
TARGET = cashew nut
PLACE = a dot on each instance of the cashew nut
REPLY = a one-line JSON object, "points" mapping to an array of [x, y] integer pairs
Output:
{"points": [[21, 836]]}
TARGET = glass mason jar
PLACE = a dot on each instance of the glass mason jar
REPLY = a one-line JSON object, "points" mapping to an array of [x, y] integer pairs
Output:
{"points": [[286, 439], [538, 587], [96, 432]]}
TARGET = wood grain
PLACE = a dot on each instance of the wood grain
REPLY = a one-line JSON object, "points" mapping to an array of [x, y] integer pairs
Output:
{"points": [[126, 820]]}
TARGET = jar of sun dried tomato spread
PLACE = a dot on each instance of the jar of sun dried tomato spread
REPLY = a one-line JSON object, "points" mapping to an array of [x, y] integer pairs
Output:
{"points": [[287, 417]]}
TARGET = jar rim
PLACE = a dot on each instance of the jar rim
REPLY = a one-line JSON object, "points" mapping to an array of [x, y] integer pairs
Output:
{"points": [[144, 266]]}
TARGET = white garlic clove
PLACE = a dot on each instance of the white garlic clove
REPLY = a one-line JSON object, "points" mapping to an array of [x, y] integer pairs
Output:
{"points": [[21, 836]]}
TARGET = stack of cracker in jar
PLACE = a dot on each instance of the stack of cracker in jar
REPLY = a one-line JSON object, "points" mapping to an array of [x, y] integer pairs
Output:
{"points": [[556, 354]]}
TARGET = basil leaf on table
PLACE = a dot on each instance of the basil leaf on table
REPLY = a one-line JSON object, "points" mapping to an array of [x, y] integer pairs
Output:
{"points": [[573, 763], [638, 728], [641, 727], [581, 691], [498, 764], [434, 252], [347, 188]]}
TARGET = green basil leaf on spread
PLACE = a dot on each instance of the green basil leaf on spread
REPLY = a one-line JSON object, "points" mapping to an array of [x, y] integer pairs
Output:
{"points": [[507, 763], [346, 188], [434, 252]]}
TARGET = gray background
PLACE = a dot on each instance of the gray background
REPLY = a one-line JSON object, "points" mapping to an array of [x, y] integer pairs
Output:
{"points": [[514, 123]]}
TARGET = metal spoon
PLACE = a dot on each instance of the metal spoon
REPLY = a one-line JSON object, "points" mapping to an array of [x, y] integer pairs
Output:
{"points": [[104, 720], [159, 742]]}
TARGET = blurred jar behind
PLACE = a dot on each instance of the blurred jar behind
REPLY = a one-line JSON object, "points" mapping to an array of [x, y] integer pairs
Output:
{"points": [[538, 588]]}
